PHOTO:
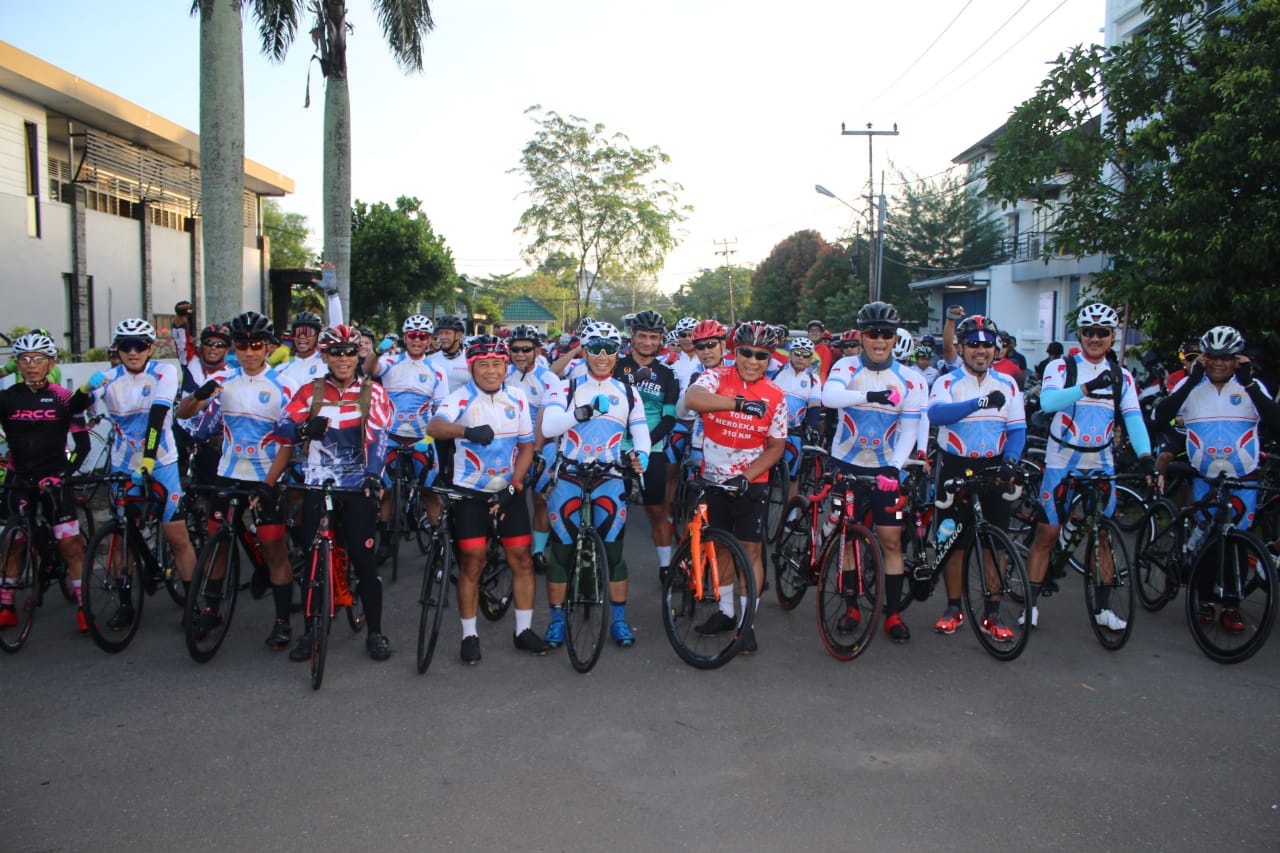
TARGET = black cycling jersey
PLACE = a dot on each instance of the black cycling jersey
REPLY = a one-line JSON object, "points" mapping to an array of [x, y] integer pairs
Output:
{"points": [[36, 424]]}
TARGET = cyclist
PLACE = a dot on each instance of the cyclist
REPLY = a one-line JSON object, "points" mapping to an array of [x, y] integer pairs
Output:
{"points": [[1222, 404], [489, 421], [206, 369], [535, 380], [708, 343], [924, 365], [799, 381], [1087, 393], [880, 402], [307, 363], [138, 396], [245, 406], [594, 414], [981, 427], [342, 422], [450, 359], [1188, 356], [825, 356], [11, 366], [36, 416], [659, 390]]}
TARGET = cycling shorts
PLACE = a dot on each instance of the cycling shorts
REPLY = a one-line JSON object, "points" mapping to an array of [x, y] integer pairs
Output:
{"points": [[885, 507], [742, 515], [167, 487], [564, 509], [473, 522]]}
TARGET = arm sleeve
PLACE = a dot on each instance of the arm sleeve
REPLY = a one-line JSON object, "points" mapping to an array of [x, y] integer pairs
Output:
{"points": [[155, 423], [836, 396], [1267, 408], [1167, 409], [665, 425], [79, 450], [1015, 442], [334, 305], [945, 414], [1137, 429], [1057, 399]]}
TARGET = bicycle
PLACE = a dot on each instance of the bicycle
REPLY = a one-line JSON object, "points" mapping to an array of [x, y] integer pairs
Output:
{"points": [[691, 590], [408, 518], [29, 559], [1219, 564], [127, 560]]}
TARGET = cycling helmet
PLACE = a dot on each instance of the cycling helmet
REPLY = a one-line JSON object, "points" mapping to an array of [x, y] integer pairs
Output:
{"points": [[1190, 349], [136, 328], [452, 322], [782, 331], [801, 346], [336, 336], [525, 333], [923, 352], [418, 323], [709, 329], [928, 341], [976, 329], [756, 333], [648, 321], [1098, 314], [686, 324], [37, 342], [308, 318], [850, 337], [486, 346], [584, 322], [601, 331], [215, 330], [878, 315], [903, 346], [817, 323], [250, 325], [670, 339], [1222, 340]]}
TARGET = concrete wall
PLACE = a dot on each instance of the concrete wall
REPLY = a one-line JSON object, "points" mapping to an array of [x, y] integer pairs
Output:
{"points": [[170, 268], [114, 259]]}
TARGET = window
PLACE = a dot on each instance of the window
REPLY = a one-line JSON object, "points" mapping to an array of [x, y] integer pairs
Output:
{"points": [[32, 135]]}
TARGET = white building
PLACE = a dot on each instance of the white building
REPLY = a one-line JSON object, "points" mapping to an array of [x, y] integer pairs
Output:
{"points": [[100, 208]]}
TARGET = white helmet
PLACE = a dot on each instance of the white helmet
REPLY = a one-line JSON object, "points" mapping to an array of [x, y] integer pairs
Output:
{"points": [[903, 346], [1098, 314], [37, 343], [1219, 341], [600, 330], [418, 323], [135, 327], [686, 324]]}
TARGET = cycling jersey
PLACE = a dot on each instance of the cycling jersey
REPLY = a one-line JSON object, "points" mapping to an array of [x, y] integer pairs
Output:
{"points": [[455, 370], [733, 440], [871, 435], [802, 388], [344, 454], [487, 468], [36, 423], [659, 393], [1222, 428], [535, 383], [1090, 420], [247, 409], [684, 365], [128, 398], [300, 371], [979, 433], [415, 387], [199, 426], [599, 439]]}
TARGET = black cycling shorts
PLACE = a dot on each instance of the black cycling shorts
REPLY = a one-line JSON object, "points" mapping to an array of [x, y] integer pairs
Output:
{"points": [[741, 515], [655, 480], [473, 523]]}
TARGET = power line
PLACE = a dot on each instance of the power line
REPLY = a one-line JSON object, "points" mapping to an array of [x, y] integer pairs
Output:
{"points": [[925, 53]]}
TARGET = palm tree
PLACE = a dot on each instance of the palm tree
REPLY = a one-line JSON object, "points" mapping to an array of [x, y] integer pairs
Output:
{"points": [[405, 23]]}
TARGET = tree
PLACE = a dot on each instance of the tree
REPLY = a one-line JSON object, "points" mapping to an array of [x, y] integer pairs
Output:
{"points": [[778, 283], [288, 234], [939, 226], [405, 24], [594, 197], [398, 261], [1178, 181], [707, 295], [628, 296]]}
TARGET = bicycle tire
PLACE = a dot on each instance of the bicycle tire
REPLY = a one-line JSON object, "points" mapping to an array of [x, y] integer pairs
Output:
{"points": [[1246, 573], [495, 583], [25, 590], [421, 520], [1007, 579], [207, 594], [810, 473], [1130, 509], [683, 610], [169, 569], [354, 610], [113, 576], [396, 528], [1158, 555], [1116, 595], [850, 583], [791, 571], [586, 603], [434, 598], [776, 501], [319, 605]]}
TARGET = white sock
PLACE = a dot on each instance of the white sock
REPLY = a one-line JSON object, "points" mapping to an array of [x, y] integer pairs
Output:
{"points": [[742, 606], [664, 555], [469, 628], [726, 600], [524, 621]]}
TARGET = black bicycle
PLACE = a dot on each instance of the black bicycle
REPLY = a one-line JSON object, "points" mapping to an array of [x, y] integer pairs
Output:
{"points": [[408, 506], [29, 561]]}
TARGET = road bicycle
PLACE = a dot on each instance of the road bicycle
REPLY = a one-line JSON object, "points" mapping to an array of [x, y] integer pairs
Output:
{"points": [[29, 560], [706, 559], [408, 506]]}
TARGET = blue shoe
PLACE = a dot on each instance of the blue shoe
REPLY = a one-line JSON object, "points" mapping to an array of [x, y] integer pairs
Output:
{"points": [[555, 631], [621, 632]]}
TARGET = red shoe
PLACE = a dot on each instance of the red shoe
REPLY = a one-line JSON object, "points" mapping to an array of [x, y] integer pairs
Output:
{"points": [[993, 629], [81, 625], [1231, 620], [952, 618], [850, 621], [896, 628], [8, 616]]}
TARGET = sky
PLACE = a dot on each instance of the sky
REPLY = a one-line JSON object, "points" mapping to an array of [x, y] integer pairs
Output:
{"points": [[746, 97]]}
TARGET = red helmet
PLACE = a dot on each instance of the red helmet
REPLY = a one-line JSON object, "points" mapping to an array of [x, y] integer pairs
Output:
{"points": [[336, 336], [756, 333], [486, 346], [709, 329]]}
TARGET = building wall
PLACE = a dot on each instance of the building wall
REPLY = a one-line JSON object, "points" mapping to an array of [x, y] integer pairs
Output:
{"points": [[170, 269], [114, 259], [31, 283]]}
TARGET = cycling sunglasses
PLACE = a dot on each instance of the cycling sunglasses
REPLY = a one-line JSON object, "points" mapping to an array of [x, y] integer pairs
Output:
{"points": [[880, 334], [757, 354], [602, 348], [521, 350], [342, 351], [214, 342], [703, 346], [977, 342], [132, 345], [1095, 332], [417, 336], [255, 346]]}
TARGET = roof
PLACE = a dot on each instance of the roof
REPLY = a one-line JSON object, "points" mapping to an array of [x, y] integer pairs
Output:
{"points": [[82, 101], [526, 309]]}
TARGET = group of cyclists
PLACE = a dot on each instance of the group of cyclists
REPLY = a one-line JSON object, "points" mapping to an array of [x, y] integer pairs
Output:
{"points": [[493, 416]]}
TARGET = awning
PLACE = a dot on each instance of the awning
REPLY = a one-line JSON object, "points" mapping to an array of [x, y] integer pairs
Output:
{"points": [[956, 281]]}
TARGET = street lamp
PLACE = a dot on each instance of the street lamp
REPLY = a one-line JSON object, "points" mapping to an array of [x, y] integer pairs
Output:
{"points": [[821, 190]]}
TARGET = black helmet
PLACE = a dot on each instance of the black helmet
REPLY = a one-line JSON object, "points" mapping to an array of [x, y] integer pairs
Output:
{"points": [[648, 321], [215, 330], [756, 333], [250, 325], [307, 318], [451, 322], [525, 333], [977, 325], [878, 315]]}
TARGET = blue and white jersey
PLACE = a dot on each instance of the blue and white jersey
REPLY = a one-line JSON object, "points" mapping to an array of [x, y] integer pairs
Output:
{"points": [[200, 426], [128, 398], [535, 383], [247, 408], [487, 468], [982, 433], [416, 387], [1222, 428], [601, 438], [803, 389], [455, 370], [1090, 422], [300, 371], [871, 435]]}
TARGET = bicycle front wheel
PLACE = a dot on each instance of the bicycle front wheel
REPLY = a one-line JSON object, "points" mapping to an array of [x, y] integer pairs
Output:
{"points": [[1231, 597], [495, 583], [791, 555], [850, 592], [113, 590], [18, 606], [996, 593], [1157, 555], [318, 607], [704, 630], [434, 597], [211, 601], [1108, 586], [779, 480], [586, 604], [395, 530]]}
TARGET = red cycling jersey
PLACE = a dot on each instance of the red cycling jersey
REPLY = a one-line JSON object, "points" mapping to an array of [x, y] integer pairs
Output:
{"points": [[733, 440]]}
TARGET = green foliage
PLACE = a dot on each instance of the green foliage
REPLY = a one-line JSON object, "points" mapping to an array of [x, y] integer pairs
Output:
{"points": [[593, 198], [936, 226], [1178, 184], [778, 283], [706, 296], [628, 296], [397, 261], [288, 234]]}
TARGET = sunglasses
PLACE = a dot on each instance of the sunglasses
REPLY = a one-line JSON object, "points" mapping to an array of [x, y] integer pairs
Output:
{"points": [[32, 359], [342, 352], [685, 335], [242, 346], [602, 348], [880, 334], [703, 346], [796, 354], [522, 350], [215, 344], [417, 336], [1095, 332], [975, 342], [132, 346], [757, 354]]}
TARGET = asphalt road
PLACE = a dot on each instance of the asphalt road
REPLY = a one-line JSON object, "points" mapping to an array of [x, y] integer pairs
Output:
{"points": [[928, 746]]}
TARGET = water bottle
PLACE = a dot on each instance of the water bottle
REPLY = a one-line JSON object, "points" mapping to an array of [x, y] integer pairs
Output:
{"points": [[1196, 537], [946, 528], [830, 524]]}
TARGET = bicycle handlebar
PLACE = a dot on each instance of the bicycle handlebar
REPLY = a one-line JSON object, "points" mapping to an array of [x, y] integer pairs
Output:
{"points": [[950, 488]]}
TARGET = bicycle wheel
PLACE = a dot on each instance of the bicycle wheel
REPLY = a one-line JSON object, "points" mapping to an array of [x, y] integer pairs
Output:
{"points": [[1231, 597], [396, 528], [850, 591], [419, 520], [791, 555], [495, 583], [995, 577], [684, 610], [1157, 555], [318, 606], [16, 556], [434, 598], [1130, 508], [586, 605], [113, 588], [211, 602], [1108, 585], [779, 479], [164, 559]]}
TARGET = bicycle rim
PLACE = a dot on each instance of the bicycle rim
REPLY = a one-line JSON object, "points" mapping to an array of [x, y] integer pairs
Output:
{"points": [[1157, 556], [791, 556], [15, 548], [683, 610], [850, 592], [215, 586], [586, 606], [1243, 580], [113, 589], [1108, 586], [319, 608], [495, 584], [994, 575], [433, 599]]}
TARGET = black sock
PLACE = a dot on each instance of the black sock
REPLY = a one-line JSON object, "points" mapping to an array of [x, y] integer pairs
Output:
{"points": [[1035, 592], [282, 595], [892, 593], [953, 602]]}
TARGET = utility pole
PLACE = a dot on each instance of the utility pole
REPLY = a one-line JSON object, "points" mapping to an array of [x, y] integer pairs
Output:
{"points": [[873, 277], [726, 251]]}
